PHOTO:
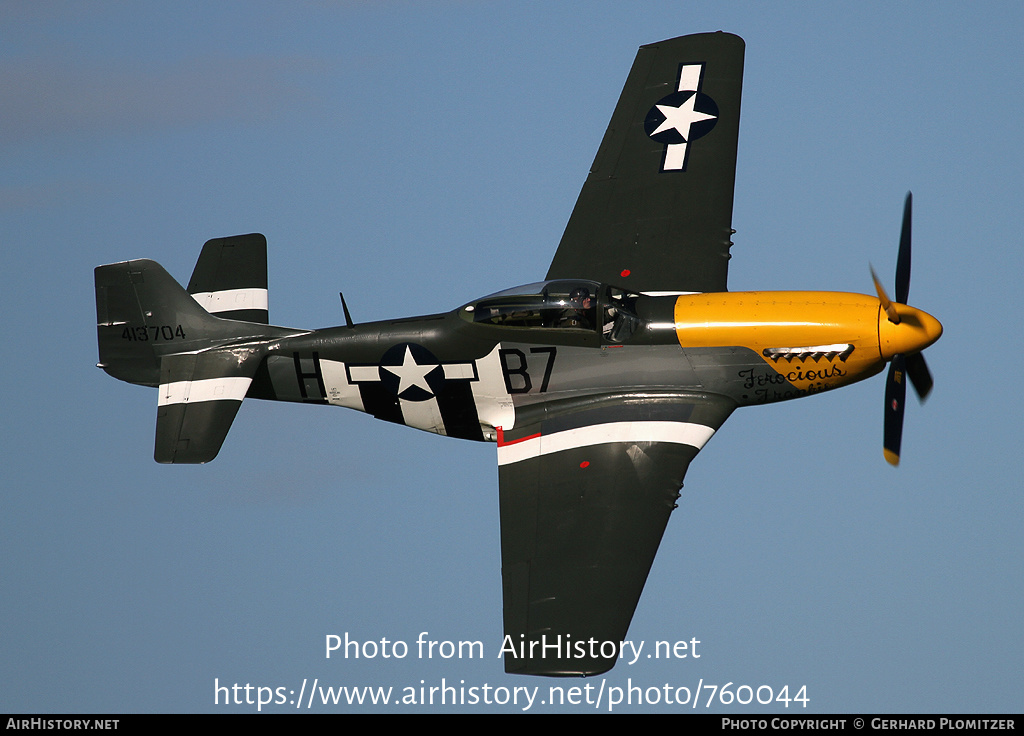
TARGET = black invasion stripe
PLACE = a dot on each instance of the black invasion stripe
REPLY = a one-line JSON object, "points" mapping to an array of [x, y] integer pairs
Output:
{"points": [[245, 315], [380, 402], [458, 410]]}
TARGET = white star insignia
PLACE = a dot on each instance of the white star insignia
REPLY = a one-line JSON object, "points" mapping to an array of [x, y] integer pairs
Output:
{"points": [[681, 118], [410, 373]]}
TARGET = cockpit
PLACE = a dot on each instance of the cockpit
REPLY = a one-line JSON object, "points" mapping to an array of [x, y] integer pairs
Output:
{"points": [[563, 305]]}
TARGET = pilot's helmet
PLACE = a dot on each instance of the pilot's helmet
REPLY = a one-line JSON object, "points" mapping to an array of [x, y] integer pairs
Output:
{"points": [[579, 295]]}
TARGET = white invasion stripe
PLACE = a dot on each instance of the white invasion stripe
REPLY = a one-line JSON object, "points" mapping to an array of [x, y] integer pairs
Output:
{"points": [[232, 299], [493, 404], [339, 391], [227, 388], [680, 433], [424, 415]]}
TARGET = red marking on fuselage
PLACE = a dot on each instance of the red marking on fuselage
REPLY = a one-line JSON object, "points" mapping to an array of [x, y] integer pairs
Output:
{"points": [[503, 443]]}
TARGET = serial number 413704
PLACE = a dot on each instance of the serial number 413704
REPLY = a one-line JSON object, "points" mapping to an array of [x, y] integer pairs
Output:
{"points": [[153, 333]]}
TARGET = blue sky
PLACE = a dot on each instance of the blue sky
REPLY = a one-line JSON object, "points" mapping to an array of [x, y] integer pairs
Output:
{"points": [[419, 155]]}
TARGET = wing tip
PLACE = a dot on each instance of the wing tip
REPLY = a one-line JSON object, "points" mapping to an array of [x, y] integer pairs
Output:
{"points": [[718, 34]]}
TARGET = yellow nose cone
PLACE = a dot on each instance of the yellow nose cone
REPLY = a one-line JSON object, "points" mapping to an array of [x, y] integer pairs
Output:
{"points": [[916, 331]]}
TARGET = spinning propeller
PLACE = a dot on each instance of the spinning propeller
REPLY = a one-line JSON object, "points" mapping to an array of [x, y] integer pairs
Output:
{"points": [[906, 333]]}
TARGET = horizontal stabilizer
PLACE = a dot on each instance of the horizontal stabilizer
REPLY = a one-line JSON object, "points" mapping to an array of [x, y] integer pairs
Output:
{"points": [[199, 396], [230, 278]]}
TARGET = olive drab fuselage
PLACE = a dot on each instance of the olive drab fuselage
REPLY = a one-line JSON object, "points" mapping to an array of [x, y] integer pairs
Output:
{"points": [[467, 372]]}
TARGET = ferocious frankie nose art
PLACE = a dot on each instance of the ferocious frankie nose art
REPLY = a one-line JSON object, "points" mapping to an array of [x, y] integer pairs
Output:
{"points": [[599, 384]]}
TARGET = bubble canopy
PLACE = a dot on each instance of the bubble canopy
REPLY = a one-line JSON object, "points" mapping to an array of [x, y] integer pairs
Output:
{"points": [[564, 304], [561, 304]]}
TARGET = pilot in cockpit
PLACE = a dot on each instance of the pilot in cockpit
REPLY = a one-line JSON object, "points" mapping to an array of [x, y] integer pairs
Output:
{"points": [[579, 313]]}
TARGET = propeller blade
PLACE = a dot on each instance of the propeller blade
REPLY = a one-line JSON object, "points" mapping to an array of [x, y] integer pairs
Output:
{"points": [[890, 309], [919, 375], [903, 258], [903, 367], [895, 396]]}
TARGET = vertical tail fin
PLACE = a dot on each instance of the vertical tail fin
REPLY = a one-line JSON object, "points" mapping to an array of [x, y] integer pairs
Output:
{"points": [[143, 313]]}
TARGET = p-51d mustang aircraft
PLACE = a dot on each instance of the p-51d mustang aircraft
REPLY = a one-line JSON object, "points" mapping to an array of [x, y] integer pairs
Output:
{"points": [[599, 384]]}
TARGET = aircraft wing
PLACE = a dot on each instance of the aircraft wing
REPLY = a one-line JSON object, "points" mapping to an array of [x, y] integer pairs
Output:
{"points": [[586, 489], [655, 213]]}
